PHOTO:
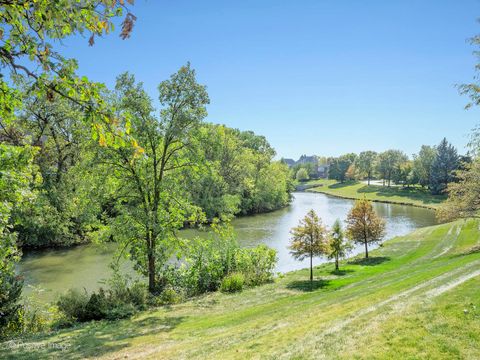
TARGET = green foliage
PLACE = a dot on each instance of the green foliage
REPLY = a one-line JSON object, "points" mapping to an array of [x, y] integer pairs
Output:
{"points": [[170, 296], [464, 195], [339, 166], [151, 192], [119, 301], [338, 245], [443, 167], [422, 164], [365, 163], [232, 283], [302, 175], [388, 163], [27, 31], [238, 175], [257, 264], [17, 172], [309, 239]]}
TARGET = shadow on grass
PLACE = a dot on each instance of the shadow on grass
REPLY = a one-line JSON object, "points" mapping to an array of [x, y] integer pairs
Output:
{"points": [[371, 261], [91, 340], [341, 272], [307, 285], [410, 193], [340, 185]]}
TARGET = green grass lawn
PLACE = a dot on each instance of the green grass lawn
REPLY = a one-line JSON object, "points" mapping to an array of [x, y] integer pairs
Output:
{"points": [[416, 298], [396, 194]]}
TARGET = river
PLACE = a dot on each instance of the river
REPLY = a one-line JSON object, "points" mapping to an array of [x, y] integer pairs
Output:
{"points": [[53, 271]]}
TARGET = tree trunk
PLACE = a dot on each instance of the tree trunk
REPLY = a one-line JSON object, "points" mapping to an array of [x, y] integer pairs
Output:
{"points": [[368, 177], [311, 267], [151, 263], [336, 263], [366, 249]]}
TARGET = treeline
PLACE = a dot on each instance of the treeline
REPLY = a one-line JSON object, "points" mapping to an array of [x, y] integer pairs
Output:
{"points": [[225, 172], [433, 167]]}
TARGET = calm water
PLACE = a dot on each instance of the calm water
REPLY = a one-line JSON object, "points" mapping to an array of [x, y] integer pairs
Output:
{"points": [[54, 271]]}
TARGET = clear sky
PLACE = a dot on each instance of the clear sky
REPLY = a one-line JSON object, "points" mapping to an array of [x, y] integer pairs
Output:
{"points": [[321, 77]]}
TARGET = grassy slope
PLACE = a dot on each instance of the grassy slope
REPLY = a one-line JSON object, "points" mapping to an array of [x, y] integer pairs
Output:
{"points": [[395, 194], [407, 302]]}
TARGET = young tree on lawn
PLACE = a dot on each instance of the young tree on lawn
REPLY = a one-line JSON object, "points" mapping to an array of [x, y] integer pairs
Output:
{"points": [[309, 239], [338, 245], [364, 226]]}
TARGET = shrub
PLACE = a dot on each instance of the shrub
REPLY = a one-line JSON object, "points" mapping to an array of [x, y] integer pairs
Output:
{"points": [[257, 264], [73, 304], [120, 301], [232, 283], [170, 296]]}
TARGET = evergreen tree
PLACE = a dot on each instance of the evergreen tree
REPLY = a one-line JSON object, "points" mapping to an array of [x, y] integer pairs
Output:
{"points": [[338, 246], [443, 167]]}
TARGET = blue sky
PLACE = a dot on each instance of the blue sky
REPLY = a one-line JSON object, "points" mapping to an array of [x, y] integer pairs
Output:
{"points": [[319, 77]]}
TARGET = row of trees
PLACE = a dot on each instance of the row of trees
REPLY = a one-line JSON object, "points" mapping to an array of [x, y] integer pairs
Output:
{"points": [[311, 238], [433, 167], [145, 178]]}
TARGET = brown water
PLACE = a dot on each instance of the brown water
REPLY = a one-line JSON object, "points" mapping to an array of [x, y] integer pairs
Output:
{"points": [[54, 271]]}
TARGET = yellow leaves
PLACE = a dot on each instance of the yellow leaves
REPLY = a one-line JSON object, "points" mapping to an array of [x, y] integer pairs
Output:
{"points": [[102, 140]]}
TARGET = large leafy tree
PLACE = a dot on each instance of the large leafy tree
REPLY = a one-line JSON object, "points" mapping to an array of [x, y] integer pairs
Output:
{"points": [[422, 164], [29, 31], [66, 205], [309, 239], [152, 201], [339, 166], [365, 163], [388, 162], [364, 226], [16, 176], [464, 194], [443, 167]]}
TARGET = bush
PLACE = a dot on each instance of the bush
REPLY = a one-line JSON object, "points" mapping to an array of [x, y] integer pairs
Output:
{"points": [[73, 304], [120, 301], [170, 296], [232, 283], [256, 264]]}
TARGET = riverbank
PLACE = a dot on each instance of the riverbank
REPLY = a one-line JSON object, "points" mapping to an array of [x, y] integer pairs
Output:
{"points": [[414, 196], [416, 297]]}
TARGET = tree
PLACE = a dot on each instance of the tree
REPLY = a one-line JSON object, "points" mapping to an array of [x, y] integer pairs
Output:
{"points": [[152, 202], [68, 204], [463, 195], [403, 174], [338, 246], [351, 173], [302, 174], [365, 163], [422, 164], [27, 31], [364, 226], [17, 173], [443, 167], [309, 239], [339, 166], [388, 161]]}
